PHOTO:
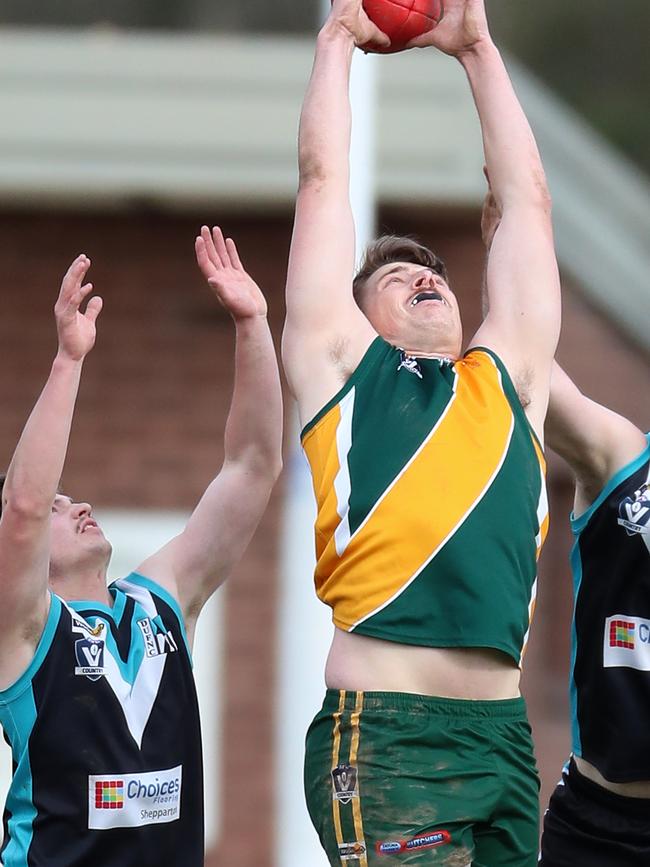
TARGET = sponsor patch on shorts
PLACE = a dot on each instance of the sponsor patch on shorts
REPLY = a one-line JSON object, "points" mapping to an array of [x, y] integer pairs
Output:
{"points": [[413, 844], [351, 851], [132, 800]]}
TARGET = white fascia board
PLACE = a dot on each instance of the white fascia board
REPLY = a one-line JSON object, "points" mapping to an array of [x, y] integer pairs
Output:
{"points": [[96, 115], [91, 115]]}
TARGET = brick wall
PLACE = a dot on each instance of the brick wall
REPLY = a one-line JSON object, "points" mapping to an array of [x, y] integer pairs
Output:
{"points": [[150, 417]]}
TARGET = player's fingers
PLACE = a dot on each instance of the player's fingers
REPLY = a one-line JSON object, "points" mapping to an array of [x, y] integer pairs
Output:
{"points": [[74, 300], [94, 308], [74, 275], [421, 41], [231, 247], [212, 254], [202, 258], [220, 246], [377, 36]]}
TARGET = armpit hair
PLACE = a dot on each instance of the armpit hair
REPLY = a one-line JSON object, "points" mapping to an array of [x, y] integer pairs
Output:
{"points": [[339, 355], [524, 386]]}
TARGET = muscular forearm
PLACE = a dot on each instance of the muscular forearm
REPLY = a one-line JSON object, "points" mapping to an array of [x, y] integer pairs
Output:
{"points": [[37, 463], [254, 427], [512, 158], [326, 119]]}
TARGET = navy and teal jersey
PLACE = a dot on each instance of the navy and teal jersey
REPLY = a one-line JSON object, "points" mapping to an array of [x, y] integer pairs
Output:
{"points": [[432, 510], [105, 738], [610, 670]]}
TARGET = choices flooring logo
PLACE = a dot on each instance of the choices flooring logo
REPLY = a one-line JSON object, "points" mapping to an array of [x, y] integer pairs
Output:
{"points": [[621, 634], [626, 642], [132, 800], [109, 794]]}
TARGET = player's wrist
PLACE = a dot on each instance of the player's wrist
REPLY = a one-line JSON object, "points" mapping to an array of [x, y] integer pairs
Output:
{"points": [[250, 321], [66, 360], [335, 32], [481, 51]]}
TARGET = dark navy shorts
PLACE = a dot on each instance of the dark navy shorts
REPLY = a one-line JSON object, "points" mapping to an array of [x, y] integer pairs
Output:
{"points": [[588, 826]]}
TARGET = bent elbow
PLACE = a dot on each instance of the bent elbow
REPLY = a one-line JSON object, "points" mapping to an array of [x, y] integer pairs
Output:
{"points": [[537, 192], [530, 191], [263, 468], [276, 469], [542, 194], [312, 176], [25, 508], [267, 469]]}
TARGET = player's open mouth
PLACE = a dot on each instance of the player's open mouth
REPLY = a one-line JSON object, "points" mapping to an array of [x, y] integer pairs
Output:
{"points": [[427, 296], [88, 525]]}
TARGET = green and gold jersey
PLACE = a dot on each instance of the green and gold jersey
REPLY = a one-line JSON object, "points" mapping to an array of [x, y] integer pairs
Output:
{"points": [[431, 499]]}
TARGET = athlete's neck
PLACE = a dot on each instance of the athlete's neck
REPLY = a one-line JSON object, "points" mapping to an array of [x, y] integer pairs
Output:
{"points": [[418, 353], [88, 588]]}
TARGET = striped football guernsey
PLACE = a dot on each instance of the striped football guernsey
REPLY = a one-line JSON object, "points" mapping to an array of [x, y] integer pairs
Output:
{"points": [[105, 738], [610, 662], [431, 499]]}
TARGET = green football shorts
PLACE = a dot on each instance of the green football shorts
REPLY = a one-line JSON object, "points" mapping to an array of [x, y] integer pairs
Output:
{"points": [[399, 779]]}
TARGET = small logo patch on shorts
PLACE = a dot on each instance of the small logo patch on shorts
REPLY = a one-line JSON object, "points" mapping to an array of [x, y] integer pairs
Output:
{"points": [[388, 847], [351, 851], [344, 782], [421, 841]]}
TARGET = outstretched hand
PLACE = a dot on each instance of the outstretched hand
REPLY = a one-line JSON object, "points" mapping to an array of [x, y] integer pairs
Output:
{"points": [[351, 17], [462, 26], [222, 268], [76, 330]]}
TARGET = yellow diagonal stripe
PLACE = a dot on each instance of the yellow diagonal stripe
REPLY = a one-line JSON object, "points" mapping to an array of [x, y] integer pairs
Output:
{"points": [[324, 463], [443, 483]]}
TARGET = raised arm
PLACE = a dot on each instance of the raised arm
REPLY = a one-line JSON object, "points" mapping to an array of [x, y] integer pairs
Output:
{"points": [[323, 322], [197, 561], [595, 441], [523, 287], [33, 477]]}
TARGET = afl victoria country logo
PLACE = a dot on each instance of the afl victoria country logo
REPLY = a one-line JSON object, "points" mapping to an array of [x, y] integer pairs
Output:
{"points": [[90, 658], [344, 783], [634, 512]]}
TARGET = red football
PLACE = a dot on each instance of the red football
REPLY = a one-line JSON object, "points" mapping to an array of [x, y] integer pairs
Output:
{"points": [[402, 20]]}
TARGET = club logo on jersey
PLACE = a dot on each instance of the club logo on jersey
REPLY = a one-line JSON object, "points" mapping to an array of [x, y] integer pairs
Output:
{"points": [[409, 363], [413, 844], [133, 800], [89, 653], [351, 851], [634, 512], [627, 642], [156, 643], [344, 782]]}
